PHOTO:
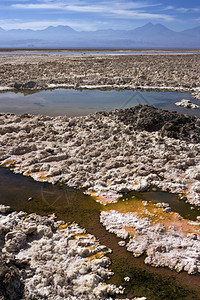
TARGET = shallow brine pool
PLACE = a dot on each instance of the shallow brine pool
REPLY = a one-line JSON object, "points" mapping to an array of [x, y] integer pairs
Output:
{"points": [[73, 102]]}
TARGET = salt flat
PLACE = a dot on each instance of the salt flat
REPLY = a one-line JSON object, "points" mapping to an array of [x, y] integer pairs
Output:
{"points": [[168, 72], [106, 152]]}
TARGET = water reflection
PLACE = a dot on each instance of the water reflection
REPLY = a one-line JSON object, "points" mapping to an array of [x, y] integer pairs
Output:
{"points": [[72, 102]]}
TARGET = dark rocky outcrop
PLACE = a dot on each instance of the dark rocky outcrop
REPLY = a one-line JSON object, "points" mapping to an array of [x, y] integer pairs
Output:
{"points": [[170, 124], [11, 287], [26, 85]]}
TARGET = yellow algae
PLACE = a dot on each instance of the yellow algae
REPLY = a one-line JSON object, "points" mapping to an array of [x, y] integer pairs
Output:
{"points": [[52, 215], [99, 255], [135, 183], [29, 215], [132, 205], [81, 235], [96, 256], [26, 216], [63, 226]]}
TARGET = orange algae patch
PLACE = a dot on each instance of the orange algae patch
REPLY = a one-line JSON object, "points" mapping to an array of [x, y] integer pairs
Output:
{"points": [[103, 199], [28, 215], [182, 225], [155, 214], [9, 163], [63, 226], [82, 234], [131, 230], [42, 175], [97, 255]]}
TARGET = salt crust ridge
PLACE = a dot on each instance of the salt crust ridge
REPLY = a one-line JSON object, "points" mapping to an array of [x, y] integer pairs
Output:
{"points": [[60, 259], [162, 248], [187, 104], [99, 152], [163, 72]]}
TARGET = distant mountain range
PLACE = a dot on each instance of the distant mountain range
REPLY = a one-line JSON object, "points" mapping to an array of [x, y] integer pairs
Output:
{"points": [[147, 36]]}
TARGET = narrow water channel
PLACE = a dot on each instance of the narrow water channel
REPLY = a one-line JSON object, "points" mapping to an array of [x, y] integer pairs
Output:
{"points": [[73, 205]]}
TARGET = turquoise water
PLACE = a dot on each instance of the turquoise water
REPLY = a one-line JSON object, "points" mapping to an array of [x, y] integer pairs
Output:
{"points": [[73, 102]]}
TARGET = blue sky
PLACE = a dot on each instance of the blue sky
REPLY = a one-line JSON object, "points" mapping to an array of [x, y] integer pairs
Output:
{"points": [[93, 15]]}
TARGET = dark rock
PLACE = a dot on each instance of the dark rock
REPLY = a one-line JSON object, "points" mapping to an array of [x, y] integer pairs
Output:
{"points": [[170, 124], [29, 85], [125, 190], [11, 287], [26, 85], [17, 85], [72, 123]]}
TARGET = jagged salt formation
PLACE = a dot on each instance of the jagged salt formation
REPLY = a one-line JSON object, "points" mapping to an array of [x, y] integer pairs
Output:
{"points": [[116, 151], [165, 72], [45, 259], [164, 248], [187, 104]]}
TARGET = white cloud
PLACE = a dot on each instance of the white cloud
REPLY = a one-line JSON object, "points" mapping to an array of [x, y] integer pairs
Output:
{"points": [[37, 6], [141, 15], [109, 8], [183, 9], [169, 7], [82, 6], [196, 9]]}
